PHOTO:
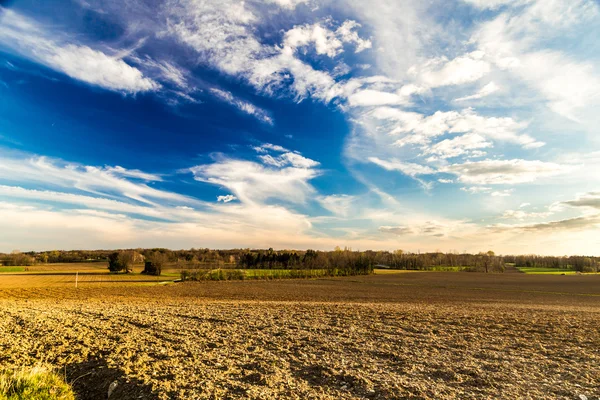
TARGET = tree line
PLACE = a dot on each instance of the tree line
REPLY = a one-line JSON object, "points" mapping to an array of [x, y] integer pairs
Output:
{"points": [[577, 263], [340, 259]]}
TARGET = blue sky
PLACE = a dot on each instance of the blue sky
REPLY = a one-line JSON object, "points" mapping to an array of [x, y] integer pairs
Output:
{"points": [[462, 125]]}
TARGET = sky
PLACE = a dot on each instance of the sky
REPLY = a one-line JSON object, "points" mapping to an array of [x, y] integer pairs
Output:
{"points": [[445, 125]]}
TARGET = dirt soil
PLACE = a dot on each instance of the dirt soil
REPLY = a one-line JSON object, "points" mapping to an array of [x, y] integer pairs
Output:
{"points": [[392, 336]]}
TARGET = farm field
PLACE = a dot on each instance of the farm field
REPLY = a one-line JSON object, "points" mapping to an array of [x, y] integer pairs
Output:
{"points": [[431, 335], [65, 275], [97, 274], [547, 271]]}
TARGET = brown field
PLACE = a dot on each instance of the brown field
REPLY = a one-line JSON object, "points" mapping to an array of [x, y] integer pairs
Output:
{"points": [[63, 276], [386, 336]]}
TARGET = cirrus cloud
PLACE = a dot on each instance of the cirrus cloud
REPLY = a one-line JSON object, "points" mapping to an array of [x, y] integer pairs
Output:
{"points": [[75, 60]]}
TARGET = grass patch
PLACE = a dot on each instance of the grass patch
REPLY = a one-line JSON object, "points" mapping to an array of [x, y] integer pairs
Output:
{"points": [[445, 268], [393, 271], [37, 383], [546, 271], [12, 269], [290, 273], [258, 274], [437, 268]]}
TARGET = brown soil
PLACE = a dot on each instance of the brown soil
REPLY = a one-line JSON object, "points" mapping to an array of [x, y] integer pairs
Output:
{"points": [[393, 336]]}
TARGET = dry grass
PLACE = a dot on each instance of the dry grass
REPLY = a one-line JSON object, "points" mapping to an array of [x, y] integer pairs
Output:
{"points": [[37, 383], [394, 336]]}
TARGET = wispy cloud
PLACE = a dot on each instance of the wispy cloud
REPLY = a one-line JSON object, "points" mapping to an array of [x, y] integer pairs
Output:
{"points": [[481, 93], [77, 61], [512, 42], [409, 169], [340, 205], [570, 224], [243, 106], [110, 181]]}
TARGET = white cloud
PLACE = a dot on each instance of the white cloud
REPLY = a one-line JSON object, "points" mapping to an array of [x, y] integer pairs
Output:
{"points": [[286, 159], [227, 198], [97, 68], [77, 61], [567, 84], [370, 97], [435, 228], [494, 4], [483, 92], [401, 30], [499, 129], [412, 122], [228, 37], [502, 172], [52, 227], [133, 173], [289, 4], [348, 34], [243, 105], [89, 202], [409, 169], [110, 218], [458, 146], [221, 33], [228, 225], [476, 189], [422, 128], [39, 219], [522, 215], [166, 71], [324, 40], [589, 200], [512, 42], [337, 204], [396, 230], [253, 183], [374, 98], [502, 193], [487, 190], [108, 181], [441, 72], [265, 147], [408, 142], [571, 224]]}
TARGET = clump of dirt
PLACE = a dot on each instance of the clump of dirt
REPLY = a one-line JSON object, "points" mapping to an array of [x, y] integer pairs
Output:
{"points": [[93, 379]]}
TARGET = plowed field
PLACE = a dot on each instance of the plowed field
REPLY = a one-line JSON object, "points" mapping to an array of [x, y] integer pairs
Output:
{"points": [[391, 336]]}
